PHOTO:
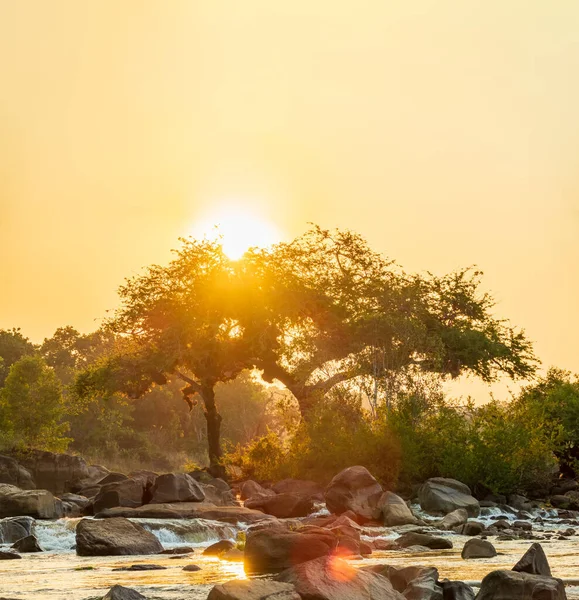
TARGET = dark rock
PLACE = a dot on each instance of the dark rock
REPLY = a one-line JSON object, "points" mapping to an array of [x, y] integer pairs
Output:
{"points": [[7, 555], [250, 488], [257, 589], [456, 590], [145, 567], [114, 537], [394, 510], [81, 501], [118, 592], [218, 495], [354, 489], [442, 496], [414, 583], [27, 544], [454, 519], [472, 528], [302, 487], [127, 492], [13, 473], [15, 502], [534, 561], [219, 548], [14, 528], [282, 506], [147, 478], [525, 525], [176, 487], [179, 550], [477, 548], [113, 477], [421, 539], [273, 550], [508, 585], [519, 502], [191, 568]]}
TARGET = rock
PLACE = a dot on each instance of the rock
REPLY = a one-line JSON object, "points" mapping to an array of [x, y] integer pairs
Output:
{"points": [[251, 488], [176, 487], [219, 548], [27, 544], [257, 589], [147, 478], [302, 487], [519, 502], [233, 555], [380, 544], [145, 567], [422, 539], [454, 519], [95, 473], [15, 502], [217, 495], [273, 550], [562, 502], [477, 548], [282, 506], [565, 485], [354, 489], [7, 555], [394, 510], [472, 528], [118, 592], [191, 568], [13, 473], [330, 578], [114, 537], [14, 528], [113, 477], [439, 495], [456, 590], [414, 583], [534, 561], [520, 586], [127, 492], [81, 501], [179, 550]]}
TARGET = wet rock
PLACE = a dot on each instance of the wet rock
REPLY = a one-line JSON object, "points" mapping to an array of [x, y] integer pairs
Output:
{"points": [[422, 539], [7, 555], [176, 487], [250, 488], [519, 502], [15, 502], [310, 489], [440, 495], [273, 550], [14, 528], [534, 561], [13, 473], [282, 506], [477, 548], [520, 586], [27, 544], [219, 548], [525, 525], [114, 537], [394, 510], [127, 492], [472, 528], [354, 489], [191, 568], [233, 555], [258, 589], [118, 592], [456, 590], [384, 545], [330, 578], [454, 519], [179, 550], [144, 567]]}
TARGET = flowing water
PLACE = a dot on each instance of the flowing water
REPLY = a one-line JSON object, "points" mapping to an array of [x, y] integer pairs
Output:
{"points": [[58, 574]]}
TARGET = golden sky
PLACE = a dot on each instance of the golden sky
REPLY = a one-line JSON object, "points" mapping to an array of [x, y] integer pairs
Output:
{"points": [[446, 132]]}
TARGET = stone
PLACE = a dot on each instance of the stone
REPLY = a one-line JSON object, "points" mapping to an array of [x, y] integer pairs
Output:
{"points": [[81, 501], [127, 492], [414, 583], [118, 592], [251, 488], [301, 487], [176, 487], [413, 538], [456, 590], [233, 555], [507, 585], [394, 510], [179, 550], [330, 578], [519, 502], [534, 561], [219, 548], [273, 550], [7, 555], [472, 528], [145, 567], [454, 519], [354, 489], [443, 496], [13, 473], [282, 506], [15, 502], [113, 477], [257, 589], [191, 568], [27, 544], [114, 537], [477, 548], [14, 528], [218, 495]]}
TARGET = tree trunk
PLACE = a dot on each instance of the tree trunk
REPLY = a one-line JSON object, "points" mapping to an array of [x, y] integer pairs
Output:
{"points": [[213, 419]]}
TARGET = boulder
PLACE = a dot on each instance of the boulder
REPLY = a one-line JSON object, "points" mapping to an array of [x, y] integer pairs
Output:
{"points": [[414, 583], [330, 578], [112, 477], [219, 548], [456, 590], [7, 555], [394, 510], [273, 550], [413, 538], [14, 502], [251, 488], [508, 585], [147, 478], [472, 528], [27, 544], [454, 519], [218, 495], [282, 506], [81, 501], [127, 492], [13, 473], [519, 502], [95, 473], [191, 568], [299, 486], [118, 592], [176, 487], [534, 561], [14, 528], [257, 589], [114, 537], [354, 489], [443, 496], [477, 548]]}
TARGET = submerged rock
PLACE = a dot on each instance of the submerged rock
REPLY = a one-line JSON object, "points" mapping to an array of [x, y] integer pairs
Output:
{"points": [[191, 568], [145, 567]]}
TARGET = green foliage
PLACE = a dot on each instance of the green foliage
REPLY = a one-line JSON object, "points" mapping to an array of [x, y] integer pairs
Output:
{"points": [[13, 346], [32, 407]]}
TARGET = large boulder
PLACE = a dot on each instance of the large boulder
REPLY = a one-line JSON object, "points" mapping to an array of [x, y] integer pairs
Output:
{"points": [[511, 585], [534, 561], [53, 472], [394, 510], [454, 519], [28, 543], [257, 589], [176, 487], [13, 473], [330, 578], [217, 494], [282, 506], [413, 538], [13, 529], [128, 492], [477, 548], [443, 496], [40, 504], [273, 550], [354, 489], [414, 582], [456, 590], [303, 487], [114, 537], [250, 488]]}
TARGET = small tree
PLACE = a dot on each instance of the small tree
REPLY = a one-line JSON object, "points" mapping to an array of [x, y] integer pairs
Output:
{"points": [[13, 346]]}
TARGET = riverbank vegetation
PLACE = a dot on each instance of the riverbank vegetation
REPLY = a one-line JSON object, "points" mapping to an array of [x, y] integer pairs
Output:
{"points": [[294, 361]]}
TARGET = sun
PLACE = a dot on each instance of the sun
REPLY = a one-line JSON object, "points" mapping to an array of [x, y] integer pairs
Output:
{"points": [[239, 230]]}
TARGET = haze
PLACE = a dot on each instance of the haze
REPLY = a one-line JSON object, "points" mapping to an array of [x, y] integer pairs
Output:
{"points": [[447, 133]]}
